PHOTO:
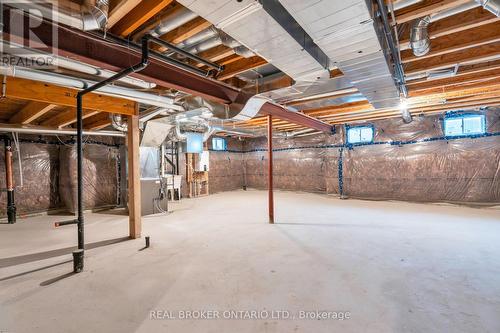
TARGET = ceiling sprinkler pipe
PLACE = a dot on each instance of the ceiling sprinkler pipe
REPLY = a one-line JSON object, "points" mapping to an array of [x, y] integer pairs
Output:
{"points": [[419, 37]]}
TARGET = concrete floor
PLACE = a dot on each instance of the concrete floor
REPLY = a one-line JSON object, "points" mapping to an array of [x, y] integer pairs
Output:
{"points": [[395, 267]]}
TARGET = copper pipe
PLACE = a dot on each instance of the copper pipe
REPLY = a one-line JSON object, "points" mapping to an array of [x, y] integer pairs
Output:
{"points": [[270, 164]]}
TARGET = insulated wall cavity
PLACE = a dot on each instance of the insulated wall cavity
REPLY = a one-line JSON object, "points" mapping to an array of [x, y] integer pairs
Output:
{"points": [[100, 176], [412, 162], [227, 167], [40, 165], [299, 164]]}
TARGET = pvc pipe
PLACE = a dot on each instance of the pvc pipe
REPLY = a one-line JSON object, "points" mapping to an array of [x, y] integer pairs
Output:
{"points": [[52, 131]]}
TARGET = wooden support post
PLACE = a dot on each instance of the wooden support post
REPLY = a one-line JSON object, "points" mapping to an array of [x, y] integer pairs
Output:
{"points": [[134, 177], [270, 164]]}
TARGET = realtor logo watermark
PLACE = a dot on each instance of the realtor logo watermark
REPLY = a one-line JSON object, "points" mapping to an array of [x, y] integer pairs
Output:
{"points": [[249, 315], [25, 39]]}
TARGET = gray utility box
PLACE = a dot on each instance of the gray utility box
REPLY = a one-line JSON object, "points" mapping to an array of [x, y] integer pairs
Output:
{"points": [[150, 190]]}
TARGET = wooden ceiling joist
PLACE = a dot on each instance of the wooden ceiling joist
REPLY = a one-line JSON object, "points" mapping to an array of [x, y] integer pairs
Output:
{"points": [[138, 16], [459, 79], [216, 53], [426, 8], [241, 66], [67, 117], [185, 31], [151, 24], [96, 122], [457, 90], [52, 94], [478, 54], [460, 22], [479, 36], [120, 8], [31, 112], [335, 94]]}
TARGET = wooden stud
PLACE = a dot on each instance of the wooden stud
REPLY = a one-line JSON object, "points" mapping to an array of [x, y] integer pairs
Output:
{"points": [[134, 175]]}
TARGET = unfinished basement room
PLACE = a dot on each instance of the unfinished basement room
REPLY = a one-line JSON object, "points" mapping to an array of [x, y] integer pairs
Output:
{"points": [[246, 166]]}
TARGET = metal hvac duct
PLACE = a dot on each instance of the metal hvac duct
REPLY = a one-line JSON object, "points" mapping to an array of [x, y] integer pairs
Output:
{"points": [[444, 14], [199, 37], [491, 6], [218, 38], [96, 16], [92, 16], [420, 42], [173, 21], [118, 122]]}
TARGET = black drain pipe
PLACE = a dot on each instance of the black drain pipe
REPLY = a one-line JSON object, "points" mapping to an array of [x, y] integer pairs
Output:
{"points": [[9, 181], [78, 255]]}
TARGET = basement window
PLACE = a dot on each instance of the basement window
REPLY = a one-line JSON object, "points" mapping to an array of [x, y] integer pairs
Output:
{"points": [[219, 144], [465, 125], [363, 134]]}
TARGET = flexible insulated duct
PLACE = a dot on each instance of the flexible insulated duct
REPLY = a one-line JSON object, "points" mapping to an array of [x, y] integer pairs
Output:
{"points": [[118, 122], [419, 37]]}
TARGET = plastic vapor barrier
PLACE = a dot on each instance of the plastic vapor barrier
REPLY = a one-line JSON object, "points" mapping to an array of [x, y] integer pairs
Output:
{"points": [[412, 162], [39, 192], [100, 176]]}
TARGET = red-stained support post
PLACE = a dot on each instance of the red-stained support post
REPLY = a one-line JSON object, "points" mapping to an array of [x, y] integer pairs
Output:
{"points": [[270, 171]]}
